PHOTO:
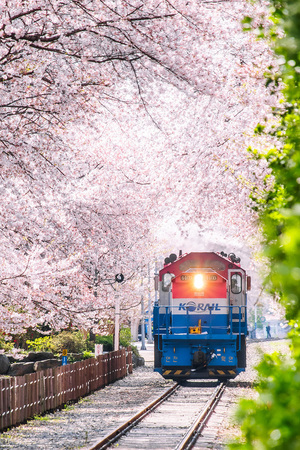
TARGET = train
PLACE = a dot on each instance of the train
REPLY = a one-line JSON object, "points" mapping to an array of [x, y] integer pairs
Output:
{"points": [[200, 317]]}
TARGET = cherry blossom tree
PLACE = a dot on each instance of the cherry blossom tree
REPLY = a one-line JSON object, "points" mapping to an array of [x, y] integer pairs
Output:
{"points": [[116, 117]]}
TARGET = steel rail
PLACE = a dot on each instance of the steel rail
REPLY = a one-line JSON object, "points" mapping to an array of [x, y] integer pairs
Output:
{"points": [[192, 434], [113, 436]]}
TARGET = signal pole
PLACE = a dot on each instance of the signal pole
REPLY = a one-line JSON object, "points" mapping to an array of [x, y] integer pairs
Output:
{"points": [[118, 278], [143, 347], [117, 323]]}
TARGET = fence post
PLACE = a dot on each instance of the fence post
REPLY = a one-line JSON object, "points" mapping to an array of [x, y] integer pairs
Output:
{"points": [[13, 401], [101, 371], [22, 397], [129, 360], [5, 402]]}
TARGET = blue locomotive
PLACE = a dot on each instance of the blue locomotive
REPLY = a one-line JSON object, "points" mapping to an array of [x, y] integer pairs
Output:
{"points": [[200, 319]]}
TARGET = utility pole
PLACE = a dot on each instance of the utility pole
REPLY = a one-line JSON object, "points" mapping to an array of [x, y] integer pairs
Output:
{"points": [[150, 338], [143, 347]]}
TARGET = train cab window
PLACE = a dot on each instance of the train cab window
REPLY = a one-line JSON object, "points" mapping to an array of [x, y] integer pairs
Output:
{"points": [[236, 283], [166, 281]]}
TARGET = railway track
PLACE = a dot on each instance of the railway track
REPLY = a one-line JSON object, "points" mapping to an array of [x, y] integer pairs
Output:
{"points": [[173, 421]]}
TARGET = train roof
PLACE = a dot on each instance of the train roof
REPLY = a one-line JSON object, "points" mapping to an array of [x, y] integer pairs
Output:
{"points": [[202, 260]]}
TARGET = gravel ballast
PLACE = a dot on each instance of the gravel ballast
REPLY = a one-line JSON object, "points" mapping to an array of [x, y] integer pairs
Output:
{"points": [[94, 416]]}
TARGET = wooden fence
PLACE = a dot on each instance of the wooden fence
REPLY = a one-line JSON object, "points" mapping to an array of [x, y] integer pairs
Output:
{"points": [[25, 396]]}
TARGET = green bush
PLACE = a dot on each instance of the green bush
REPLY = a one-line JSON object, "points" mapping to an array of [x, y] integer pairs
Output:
{"points": [[107, 341], [74, 342], [273, 420], [7, 346], [90, 344], [41, 344], [86, 355], [135, 350], [125, 337]]}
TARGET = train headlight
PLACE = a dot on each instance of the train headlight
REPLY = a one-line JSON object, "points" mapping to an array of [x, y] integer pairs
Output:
{"points": [[199, 281]]}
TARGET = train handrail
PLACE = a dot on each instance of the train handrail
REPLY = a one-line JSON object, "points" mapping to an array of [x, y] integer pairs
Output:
{"points": [[166, 327]]}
